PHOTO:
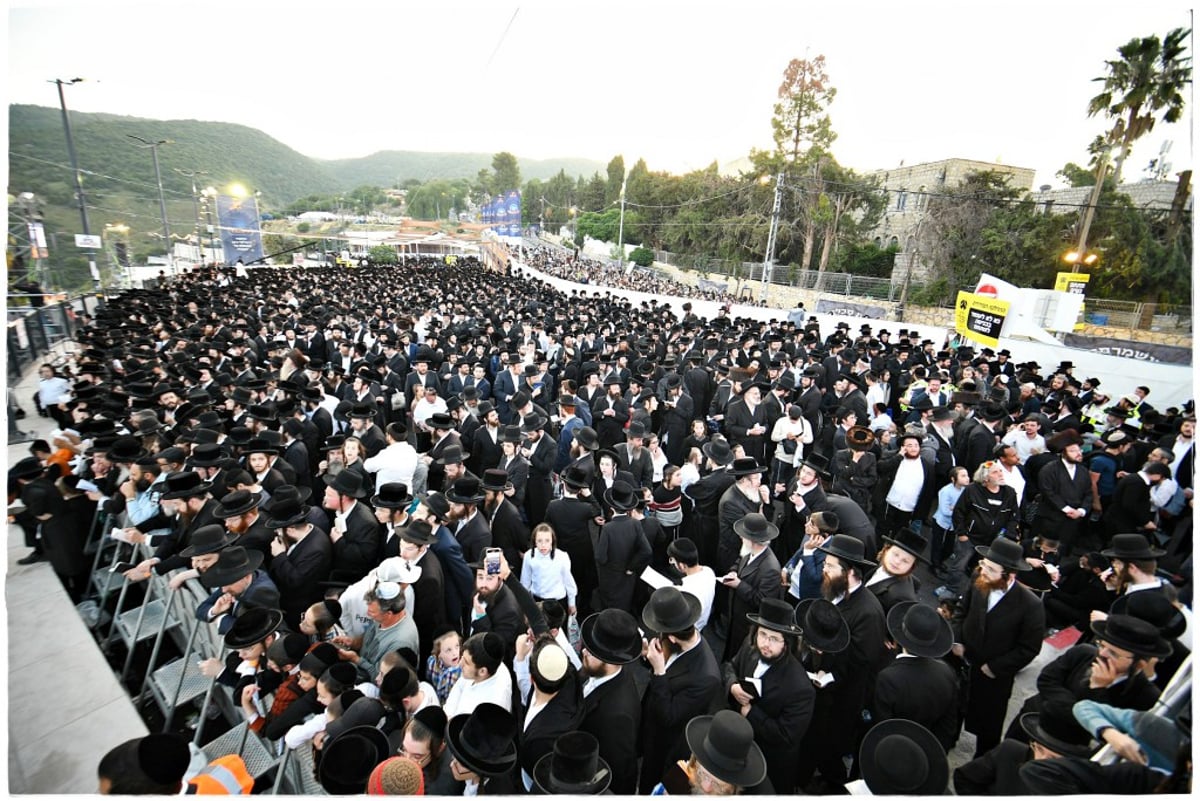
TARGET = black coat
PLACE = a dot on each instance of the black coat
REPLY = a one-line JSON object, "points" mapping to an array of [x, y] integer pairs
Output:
{"points": [[299, 574], [572, 521], [357, 551], [561, 714], [855, 668], [975, 445], [891, 591], [1005, 639], [733, 506], [687, 689], [1058, 490], [612, 713], [739, 420], [509, 533], [886, 471], [919, 689], [429, 597], [760, 579], [780, 715], [503, 617], [996, 772], [622, 553], [474, 537], [1130, 508]]}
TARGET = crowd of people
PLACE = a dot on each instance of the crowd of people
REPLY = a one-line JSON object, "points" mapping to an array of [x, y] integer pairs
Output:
{"points": [[570, 265], [464, 533]]}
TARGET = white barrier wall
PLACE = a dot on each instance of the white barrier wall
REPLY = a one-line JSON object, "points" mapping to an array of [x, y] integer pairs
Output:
{"points": [[1170, 384]]}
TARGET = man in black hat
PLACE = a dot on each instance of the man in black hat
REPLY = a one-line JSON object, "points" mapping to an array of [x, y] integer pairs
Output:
{"points": [[746, 495], [355, 532], [622, 552], [483, 745], [610, 412], [1113, 672], [571, 517], [978, 437], [495, 609], [684, 680], [892, 582], [998, 771], [301, 555], [766, 684], [38, 496], [612, 710], [998, 628], [752, 579], [509, 532], [194, 507], [905, 488], [1134, 566], [1130, 508], [707, 494], [725, 760], [918, 685], [541, 453], [1066, 492], [747, 422], [237, 583], [240, 512]]}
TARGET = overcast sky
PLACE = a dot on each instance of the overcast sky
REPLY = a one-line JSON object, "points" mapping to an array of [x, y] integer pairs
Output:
{"points": [[679, 84]]}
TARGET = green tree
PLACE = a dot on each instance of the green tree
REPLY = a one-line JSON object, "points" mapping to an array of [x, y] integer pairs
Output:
{"points": [[641, 256], [382, 254], [1149, 77], [616, 176], [801, 115], [600, 225], [506, 174], [592, 197], [1075, 175]]}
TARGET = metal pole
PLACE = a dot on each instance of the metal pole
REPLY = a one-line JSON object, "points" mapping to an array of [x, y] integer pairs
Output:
{"points": [[769, 257], [91, 254], [162, 202], [621, 227]]}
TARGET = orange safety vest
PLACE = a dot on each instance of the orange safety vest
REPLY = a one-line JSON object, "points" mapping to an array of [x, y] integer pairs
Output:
{"points": [[225, 775]]}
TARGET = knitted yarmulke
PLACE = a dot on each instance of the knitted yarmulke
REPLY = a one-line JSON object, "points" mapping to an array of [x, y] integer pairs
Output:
{"points": [[396, 776]]}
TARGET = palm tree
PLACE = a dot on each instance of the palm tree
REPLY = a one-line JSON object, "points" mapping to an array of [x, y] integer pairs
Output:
{"points": [[1149, 77]]}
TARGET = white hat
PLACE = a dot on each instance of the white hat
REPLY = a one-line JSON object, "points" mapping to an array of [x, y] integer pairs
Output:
{"points": [[397, 569]]}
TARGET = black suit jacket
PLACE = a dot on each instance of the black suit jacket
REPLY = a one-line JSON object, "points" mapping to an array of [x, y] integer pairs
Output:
{"points": [[561, 715], [1059, 490], [503, 617], [995, 773], [474, 537], [891, 591], [780, 715], [920, 689], [1130, 508], [299, 574], [1005, 639], [612, 713], [687, 689], [357, 551], [759, 580], [509, 533]]}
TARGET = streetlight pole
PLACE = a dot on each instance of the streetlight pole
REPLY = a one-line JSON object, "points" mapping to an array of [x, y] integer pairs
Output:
{"points": [[195, 204], [621, 226], [162, 201], [769, 259], [91, 252]]}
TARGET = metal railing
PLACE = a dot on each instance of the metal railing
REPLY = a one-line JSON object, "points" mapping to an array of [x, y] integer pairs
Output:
{"points": [[33, 331]]}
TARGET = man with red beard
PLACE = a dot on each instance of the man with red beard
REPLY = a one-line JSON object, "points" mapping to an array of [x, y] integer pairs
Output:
{"points": [[998, 630], [240, 511]]}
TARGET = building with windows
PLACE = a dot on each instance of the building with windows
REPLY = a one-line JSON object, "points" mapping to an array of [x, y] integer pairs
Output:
{"points": [[909, 188]]}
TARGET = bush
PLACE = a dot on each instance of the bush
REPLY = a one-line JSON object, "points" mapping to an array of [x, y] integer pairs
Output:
{"points": [[303, 228], [382, 254], [642, 257]]}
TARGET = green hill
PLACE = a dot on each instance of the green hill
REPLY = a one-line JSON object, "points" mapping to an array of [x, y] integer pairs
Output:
{"points": [[388, 167]]}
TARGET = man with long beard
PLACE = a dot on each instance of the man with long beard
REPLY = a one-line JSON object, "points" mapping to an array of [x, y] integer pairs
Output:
{"points": [[998, 630], [186, 498]]}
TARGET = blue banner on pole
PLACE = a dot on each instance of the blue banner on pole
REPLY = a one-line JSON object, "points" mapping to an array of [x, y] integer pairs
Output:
{"points": [[241, 236]]}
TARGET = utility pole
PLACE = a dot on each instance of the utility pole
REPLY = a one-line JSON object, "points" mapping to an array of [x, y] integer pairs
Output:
{"points": [[91, 252], [195, 205], [621, 226], [769, 258], [162, 201]]}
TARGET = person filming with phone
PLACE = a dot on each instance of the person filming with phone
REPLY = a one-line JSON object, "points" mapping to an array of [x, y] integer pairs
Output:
{"points": [[494, 608]]}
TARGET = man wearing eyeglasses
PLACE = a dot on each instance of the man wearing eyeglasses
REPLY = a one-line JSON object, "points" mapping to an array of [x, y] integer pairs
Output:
{"points": [[998, 628]]}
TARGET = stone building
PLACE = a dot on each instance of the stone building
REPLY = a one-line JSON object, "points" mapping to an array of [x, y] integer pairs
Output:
{"points": [[1156, 195], [909, 188]]}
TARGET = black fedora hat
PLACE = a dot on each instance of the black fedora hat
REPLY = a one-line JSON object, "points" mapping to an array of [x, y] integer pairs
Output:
{"points": [[1132, 634], [418, 532], [1153, 607], [724, 746], [348, 759], [587, 437], [756, 528], [910, 540], [393, 495], [718, 450], [126, 449], [208, 539], [253, 625], [495, 480], [775, 615], [333, 442], [920, 629], [746, 466], [29, 467], [234, 564], [438, 505], [574, 767], [347, 482], [1006, 553], [1036, 579], [532, 422], [440, 420], [575, 477], [289, 492], [184, 485], [484, 742], [465, 490], [1132, 547], [1059, 734], [451, 454], [670, 609], [259, 444], [362, 411], [207, 455], [237, 503], [900, 757], [286, 511], [510, 433], [824, 627], [612, 636], [847, 548], [621, 496]]}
